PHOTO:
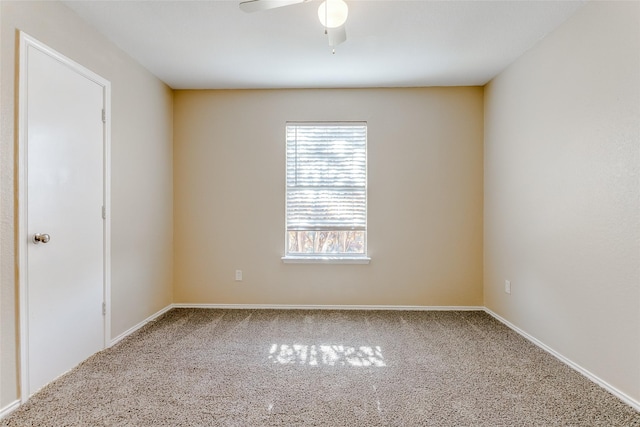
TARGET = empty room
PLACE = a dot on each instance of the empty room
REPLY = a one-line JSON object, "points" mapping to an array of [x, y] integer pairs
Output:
{"points": [[320, 212]]}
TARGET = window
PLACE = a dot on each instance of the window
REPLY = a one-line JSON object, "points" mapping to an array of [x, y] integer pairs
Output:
{"points": [[326, 207]]}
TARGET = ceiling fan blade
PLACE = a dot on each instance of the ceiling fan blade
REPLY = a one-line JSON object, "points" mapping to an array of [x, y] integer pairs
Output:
{"points": [[337, 35], [259, 5]]}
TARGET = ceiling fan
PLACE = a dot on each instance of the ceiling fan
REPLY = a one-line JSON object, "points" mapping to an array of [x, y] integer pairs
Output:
{"points": [[331, 13]]}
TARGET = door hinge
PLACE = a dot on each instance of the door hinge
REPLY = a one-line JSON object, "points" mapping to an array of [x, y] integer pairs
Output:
{"points": [[104, 213], [104, 116], [104, 308]]}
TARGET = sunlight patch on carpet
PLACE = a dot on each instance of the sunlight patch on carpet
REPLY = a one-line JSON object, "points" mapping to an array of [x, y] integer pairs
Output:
{"points": [[326, 354]]}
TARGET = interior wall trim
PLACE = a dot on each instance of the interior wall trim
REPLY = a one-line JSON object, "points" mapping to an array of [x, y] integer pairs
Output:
{"points": [[140, 325], [330, 307], [602, 383], [9, 408]]}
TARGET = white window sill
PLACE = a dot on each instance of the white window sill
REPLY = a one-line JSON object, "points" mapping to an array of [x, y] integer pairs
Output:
{"points": [[326, 259]]}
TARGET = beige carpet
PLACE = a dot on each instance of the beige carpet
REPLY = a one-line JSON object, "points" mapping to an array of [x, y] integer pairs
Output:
{"points": [[195, 367]]}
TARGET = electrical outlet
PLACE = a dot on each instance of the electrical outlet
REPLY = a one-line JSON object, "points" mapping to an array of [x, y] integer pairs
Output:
{"points": [[238, 275], [507, 286]]}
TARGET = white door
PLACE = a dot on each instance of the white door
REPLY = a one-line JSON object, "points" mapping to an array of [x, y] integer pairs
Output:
{"points": [[64, 141]]}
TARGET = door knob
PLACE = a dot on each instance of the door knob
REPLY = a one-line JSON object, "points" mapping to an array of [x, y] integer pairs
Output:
{"points": [[41, 238]]}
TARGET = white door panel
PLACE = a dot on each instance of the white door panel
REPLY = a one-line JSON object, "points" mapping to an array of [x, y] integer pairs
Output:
{"points": [[64, 148]]}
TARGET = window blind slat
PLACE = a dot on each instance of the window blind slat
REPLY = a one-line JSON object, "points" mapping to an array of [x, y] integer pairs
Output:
{"points": [[326, 177]]}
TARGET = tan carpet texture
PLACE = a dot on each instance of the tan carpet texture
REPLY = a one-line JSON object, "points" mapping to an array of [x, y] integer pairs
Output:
{"points": [[204, 367]]}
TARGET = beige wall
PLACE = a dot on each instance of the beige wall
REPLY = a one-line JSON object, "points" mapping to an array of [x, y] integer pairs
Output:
{"points": [[562, 199], [141, 173], [425, 197]]}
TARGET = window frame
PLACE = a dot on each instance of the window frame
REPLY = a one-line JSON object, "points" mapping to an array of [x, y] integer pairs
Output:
{"points": [[328, 258]]}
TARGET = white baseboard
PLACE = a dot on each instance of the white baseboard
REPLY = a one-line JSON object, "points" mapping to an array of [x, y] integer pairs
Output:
{"points": [[330, 307], [140, 325], [611, 389], [9, 408]]}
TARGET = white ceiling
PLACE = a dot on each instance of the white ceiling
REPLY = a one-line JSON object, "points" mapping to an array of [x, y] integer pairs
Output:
{"points": [[390, 43]]}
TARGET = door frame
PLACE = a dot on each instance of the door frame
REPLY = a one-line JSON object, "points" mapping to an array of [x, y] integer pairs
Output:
{"points": [[26, 42]]}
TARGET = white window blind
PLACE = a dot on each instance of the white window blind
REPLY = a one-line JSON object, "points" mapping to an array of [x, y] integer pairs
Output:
{"points": [[326, 208]]}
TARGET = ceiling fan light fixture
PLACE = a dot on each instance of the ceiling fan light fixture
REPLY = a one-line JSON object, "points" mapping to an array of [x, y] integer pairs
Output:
{"points": [[333, 13]]}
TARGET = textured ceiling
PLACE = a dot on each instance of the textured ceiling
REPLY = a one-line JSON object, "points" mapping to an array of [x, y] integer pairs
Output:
{"points": [[212, 44]]}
